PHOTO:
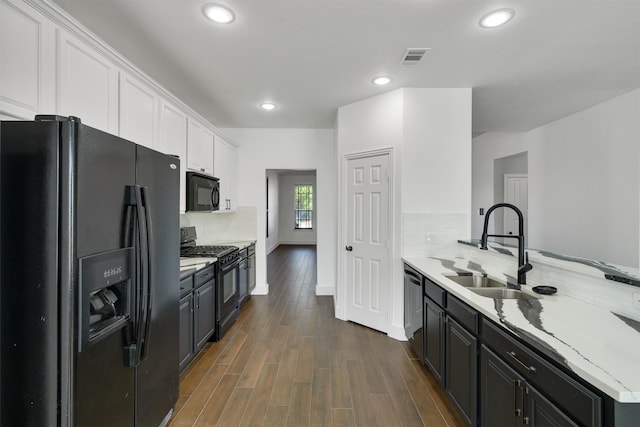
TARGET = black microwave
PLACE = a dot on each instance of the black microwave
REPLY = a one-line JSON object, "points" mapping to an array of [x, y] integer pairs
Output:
{"points": [[203, 193]]}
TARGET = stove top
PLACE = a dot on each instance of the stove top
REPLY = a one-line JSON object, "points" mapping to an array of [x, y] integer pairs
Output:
{"points": [[206, 251]]}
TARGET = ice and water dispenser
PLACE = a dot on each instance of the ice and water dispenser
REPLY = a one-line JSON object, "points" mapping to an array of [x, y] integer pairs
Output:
{"points": [[105, 294]]}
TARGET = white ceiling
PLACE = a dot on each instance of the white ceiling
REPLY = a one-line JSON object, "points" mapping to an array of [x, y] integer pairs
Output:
{"points": [[310, 57]]}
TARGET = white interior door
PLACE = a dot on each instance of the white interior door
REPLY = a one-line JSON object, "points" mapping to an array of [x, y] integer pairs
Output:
{"points": [[367, 278], [516, 192]]}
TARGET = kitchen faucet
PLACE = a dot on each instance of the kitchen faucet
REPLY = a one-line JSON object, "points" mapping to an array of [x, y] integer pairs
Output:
{"points": [[523, 257]]}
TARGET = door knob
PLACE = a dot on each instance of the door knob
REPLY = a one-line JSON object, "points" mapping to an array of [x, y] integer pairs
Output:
{"points": [[349, 248]]}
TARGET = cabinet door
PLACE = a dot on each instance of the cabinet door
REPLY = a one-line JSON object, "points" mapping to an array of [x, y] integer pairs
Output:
{"points": [[434, 337], [243, 281], [186, 331], [138, 112], [461, 362], [205, 313], [542, 413], [173, 141], [252, 272], [27, 54], [87, 85], [225, 167], [501, 401], [199, 148]]}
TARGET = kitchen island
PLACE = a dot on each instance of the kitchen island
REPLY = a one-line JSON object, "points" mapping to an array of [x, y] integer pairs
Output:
{"points": [[594, 338]]}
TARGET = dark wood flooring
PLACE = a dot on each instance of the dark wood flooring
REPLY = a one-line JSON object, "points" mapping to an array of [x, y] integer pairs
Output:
{"points": [[288, 361]]}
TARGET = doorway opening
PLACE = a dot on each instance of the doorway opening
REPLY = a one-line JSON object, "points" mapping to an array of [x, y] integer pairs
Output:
{"points": [[510, 185], [291, 207]]}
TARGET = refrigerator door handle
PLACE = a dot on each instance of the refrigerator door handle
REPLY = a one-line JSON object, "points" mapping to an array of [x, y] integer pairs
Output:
{"points": [[143, 285], [147, 259], [133, 348]]}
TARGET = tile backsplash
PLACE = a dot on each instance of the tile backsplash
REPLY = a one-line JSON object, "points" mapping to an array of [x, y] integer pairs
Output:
{"points": [[237, 225], [428, 234]]}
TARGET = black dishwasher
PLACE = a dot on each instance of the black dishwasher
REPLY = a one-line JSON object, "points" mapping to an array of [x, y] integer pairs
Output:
{"points": [[414, 311]]}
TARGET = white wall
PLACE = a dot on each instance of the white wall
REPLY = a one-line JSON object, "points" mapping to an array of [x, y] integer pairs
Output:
{"points": [[273, 240], [584, 195], [288, 233], [429, 131], [310, 149], [486, 149], [584, 181]]}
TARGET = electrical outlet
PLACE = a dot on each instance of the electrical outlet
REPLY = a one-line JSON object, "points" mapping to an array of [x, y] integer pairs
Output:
{"points": [[636, 299]]}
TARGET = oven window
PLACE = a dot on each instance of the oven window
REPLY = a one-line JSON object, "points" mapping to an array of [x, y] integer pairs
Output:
{"points": [[229, 284]]}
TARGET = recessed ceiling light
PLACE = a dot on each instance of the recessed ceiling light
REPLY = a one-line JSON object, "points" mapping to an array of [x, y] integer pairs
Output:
{"points": [[381, 80], [268, 106], [496, 18], [218, 13]]}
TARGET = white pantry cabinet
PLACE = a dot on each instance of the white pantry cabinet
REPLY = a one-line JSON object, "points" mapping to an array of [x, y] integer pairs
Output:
{"points": [[199, 147], [87, 84], [225, 167], [138, 111], [27, 58], [173, 140]]}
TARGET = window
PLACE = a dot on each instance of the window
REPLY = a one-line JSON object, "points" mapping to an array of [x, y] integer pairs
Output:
{"points": [[304, 207]]}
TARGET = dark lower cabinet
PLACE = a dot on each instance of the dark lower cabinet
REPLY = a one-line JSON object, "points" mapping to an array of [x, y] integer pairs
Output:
{"points": [[204, 313], [243, 280], [186, 330], [251, 266], [507, 399], [197, 313], [500, 404], [461, 369], [434, 338]]}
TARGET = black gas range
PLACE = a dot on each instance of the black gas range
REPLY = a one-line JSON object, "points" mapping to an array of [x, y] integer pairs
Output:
{"points": [[227, 276]]}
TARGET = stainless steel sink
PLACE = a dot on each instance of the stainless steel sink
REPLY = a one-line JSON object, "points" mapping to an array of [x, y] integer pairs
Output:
{"points": [[477, 281], [503, 293]]}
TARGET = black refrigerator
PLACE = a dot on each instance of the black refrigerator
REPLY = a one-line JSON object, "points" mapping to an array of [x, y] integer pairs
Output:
{"points": [[89, 272]]}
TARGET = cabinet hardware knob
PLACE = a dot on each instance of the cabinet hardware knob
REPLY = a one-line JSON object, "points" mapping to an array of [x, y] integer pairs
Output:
{"points": [[349, 248]]}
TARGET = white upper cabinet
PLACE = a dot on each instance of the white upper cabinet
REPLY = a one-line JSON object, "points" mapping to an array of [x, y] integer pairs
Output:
{"points": [[138, 111], [27, 57], [87, 84], [173, 140], [225, 167], [199, 148]]}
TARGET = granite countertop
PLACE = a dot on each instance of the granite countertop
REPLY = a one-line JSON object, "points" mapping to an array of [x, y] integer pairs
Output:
{"points": [[188, 266], [596, 344]]}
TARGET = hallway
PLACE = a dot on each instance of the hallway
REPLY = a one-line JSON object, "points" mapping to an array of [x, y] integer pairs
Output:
{"points": [[288, 361]]}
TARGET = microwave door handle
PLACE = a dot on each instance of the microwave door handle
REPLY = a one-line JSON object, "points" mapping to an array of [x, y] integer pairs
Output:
{"points": [[215, 197], [147, 259]]}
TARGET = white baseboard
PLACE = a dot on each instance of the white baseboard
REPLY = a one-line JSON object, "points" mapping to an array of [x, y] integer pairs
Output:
{"points": [[397, 333], [324, 290], [261, 290]]}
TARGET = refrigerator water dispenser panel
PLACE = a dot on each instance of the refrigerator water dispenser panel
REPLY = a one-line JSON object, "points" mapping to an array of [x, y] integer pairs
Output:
{"points": [[105, 293]]}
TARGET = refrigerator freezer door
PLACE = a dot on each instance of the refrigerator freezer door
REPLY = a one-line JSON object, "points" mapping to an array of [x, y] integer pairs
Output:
{"points": [[157, 375], [105, 387], [28, 273]]}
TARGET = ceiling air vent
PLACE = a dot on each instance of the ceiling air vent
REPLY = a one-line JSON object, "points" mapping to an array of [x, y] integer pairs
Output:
{"points": [[413, 55]]}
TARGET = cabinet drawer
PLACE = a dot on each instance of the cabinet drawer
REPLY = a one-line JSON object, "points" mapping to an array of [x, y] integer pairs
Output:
{"points": [[464, 314], [203, 276], [435, 292], [186, 285], [565, 392]]}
